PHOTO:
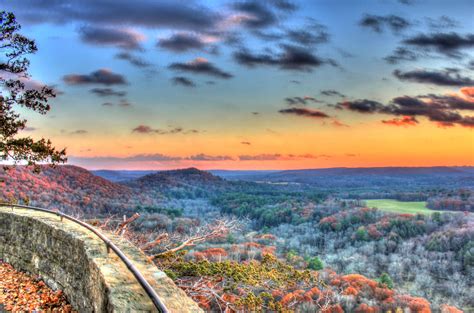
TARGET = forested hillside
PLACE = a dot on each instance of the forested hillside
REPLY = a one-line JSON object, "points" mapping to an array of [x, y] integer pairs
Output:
{"points": [[297, 247]]}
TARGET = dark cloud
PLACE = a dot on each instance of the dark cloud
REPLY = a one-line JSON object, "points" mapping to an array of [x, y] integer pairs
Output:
{"points": [[311, 34], [284, 5], [107, 104], [107, 92], [403, 121], [132, 59], [291, 58], [145, 129], [301, 100], [304, 112], [470, 65], [122, 38], [361, 106], [440, 78], [152, 14], [182, 42], [183, 81], [441, 109], [401, 54], [258, 14], [102, 76], [332, 93], [449, 44], [201, 66], [378, 23]]}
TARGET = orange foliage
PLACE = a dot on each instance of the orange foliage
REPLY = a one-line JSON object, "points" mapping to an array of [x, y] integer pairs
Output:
{"points": [[365, 308], [350, 291], [20, 293], [449, 309]]}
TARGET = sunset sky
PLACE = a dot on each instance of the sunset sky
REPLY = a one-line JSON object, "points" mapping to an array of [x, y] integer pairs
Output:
{"points": [[274, 84]]}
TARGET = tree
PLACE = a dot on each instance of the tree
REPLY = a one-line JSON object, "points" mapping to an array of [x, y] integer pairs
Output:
{"points": [[14, 93], [386, 280], [315, 264]]}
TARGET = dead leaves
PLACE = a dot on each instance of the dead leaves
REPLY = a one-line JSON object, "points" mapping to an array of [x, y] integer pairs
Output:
{"points": [[21, 292]]}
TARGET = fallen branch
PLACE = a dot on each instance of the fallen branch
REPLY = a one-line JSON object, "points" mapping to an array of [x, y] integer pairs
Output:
{"points": [[123, 226], [155, 242]]}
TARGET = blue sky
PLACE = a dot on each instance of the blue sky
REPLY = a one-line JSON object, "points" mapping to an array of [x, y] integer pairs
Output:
{"points": [[185, 110]]}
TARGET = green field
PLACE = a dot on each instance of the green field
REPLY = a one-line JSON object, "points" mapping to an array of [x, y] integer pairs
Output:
{"points": [[396, 206]]}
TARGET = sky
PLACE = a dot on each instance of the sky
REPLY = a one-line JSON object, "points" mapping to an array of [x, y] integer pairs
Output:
{"points": [[254, 84]]}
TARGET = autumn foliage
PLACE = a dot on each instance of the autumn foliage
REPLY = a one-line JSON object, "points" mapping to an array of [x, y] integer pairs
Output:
{"points": [[21, 292]]}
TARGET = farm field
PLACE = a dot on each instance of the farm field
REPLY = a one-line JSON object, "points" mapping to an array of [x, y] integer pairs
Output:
{"points": [[395, 206]]}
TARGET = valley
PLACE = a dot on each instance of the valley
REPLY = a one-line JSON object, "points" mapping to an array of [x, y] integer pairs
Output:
{"points": [[418, 236]]}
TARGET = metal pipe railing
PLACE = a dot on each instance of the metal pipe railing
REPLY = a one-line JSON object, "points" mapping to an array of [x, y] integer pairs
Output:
{"points": [[110, 245]]}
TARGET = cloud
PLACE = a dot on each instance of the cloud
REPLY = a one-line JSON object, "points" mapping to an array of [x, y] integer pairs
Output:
{"points": [[182, 42], [442, 23], [305, 112], [157, 157], [338, 123], [132, 59], [449, 44], [145, 129], [78, 132], [150, 14], [277, 156], [107, 92], [331, 93], [201, 66], [301, 100], [401, 54], [102, 76], [102, 36], [256, 14], [284, 5], [311, 34], [247, 143], [441, 109], [468, 91], [183, 81], [440, 78], [205, 157], [378, 23], [404, 121], [290, 58], [361, 106]]}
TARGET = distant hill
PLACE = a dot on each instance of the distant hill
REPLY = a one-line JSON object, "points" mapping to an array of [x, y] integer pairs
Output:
{"points": [[121, 175], [190, 181], [362, 177], [68, 188]]}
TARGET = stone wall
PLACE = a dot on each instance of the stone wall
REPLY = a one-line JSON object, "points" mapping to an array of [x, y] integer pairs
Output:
{"points": [[69, 257]]}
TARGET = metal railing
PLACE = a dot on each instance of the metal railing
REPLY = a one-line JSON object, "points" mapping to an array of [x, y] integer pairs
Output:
{"points": [[110, 245]]}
